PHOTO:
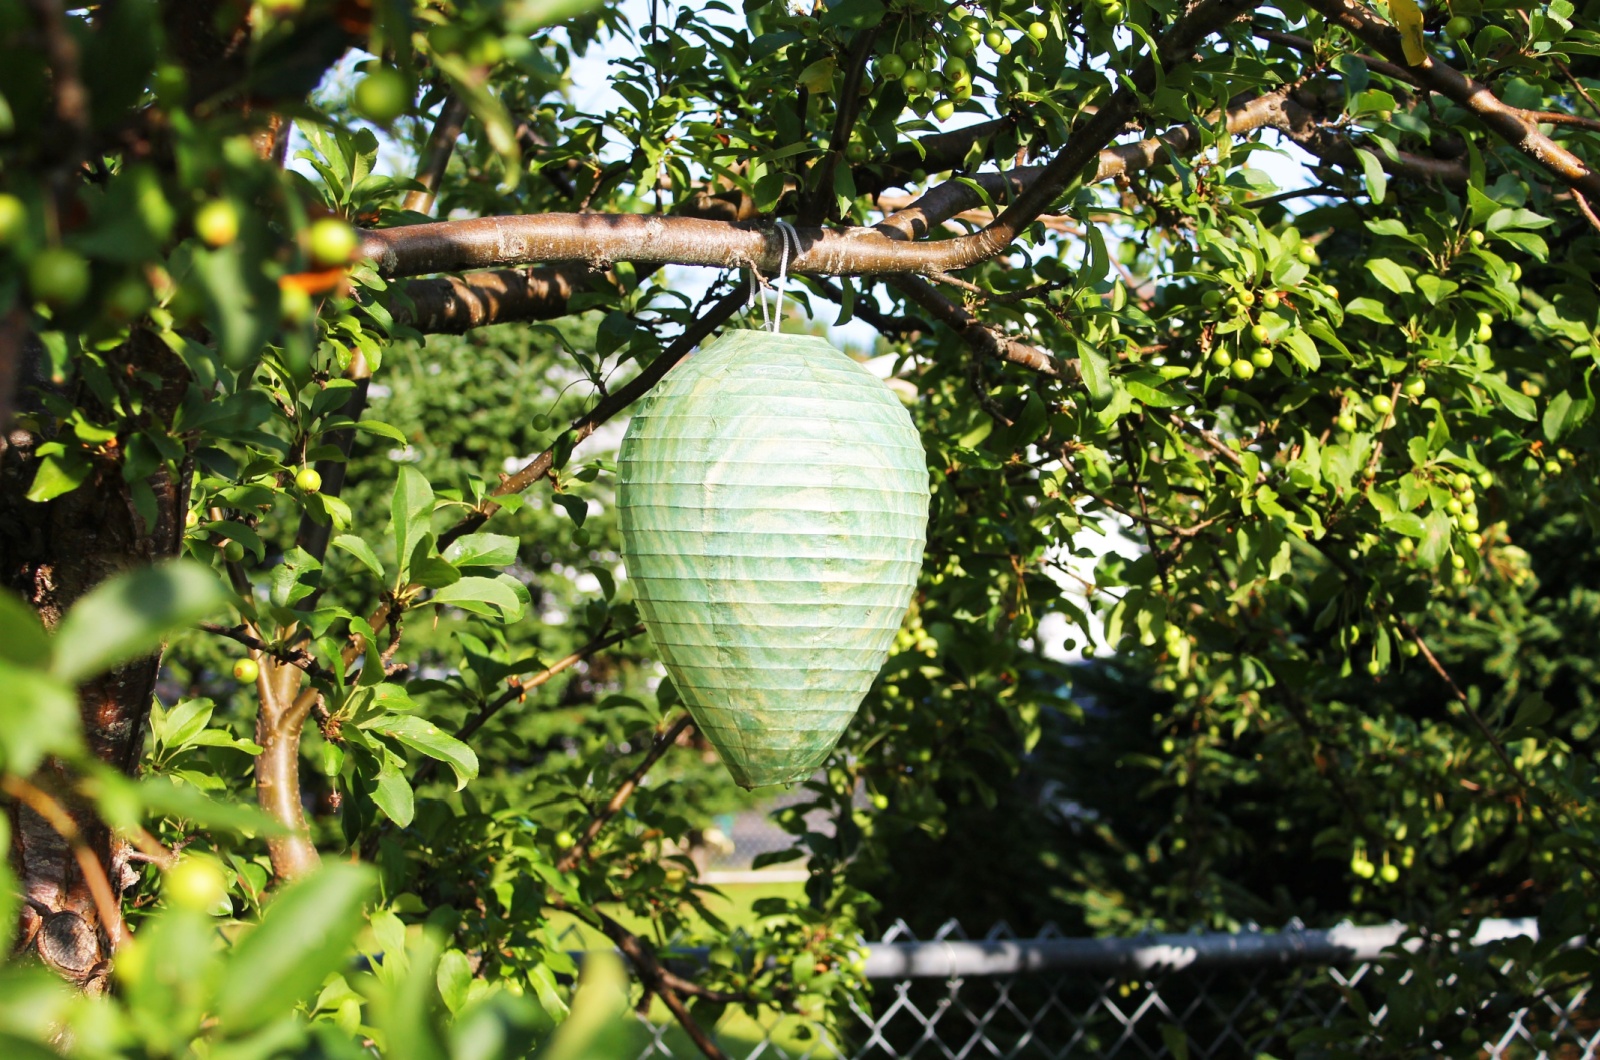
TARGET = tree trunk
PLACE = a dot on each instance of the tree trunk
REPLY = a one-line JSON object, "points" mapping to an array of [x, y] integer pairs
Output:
{"points": [[51, 554]]}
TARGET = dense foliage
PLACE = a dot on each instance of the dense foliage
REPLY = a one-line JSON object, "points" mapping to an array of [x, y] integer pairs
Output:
{"points": [[406, 729]]}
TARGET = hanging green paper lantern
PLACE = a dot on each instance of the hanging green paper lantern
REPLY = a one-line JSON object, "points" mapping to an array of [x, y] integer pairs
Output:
{"points": [[774, 505]]}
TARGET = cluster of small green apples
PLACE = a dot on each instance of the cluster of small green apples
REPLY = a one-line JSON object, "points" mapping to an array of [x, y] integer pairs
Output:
{"points": [[929, 90], [1255, 351], [329, 241], [935, 87], [1386, 871], [1462, 508], [1552, 465], [1245, 365]]}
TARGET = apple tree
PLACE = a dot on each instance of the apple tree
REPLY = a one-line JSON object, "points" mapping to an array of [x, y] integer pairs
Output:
{"points": [[317, 318]]}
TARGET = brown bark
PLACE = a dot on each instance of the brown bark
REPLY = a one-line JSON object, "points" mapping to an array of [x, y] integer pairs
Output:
{"points": [[51, 554], [279, 723], [436, 156], [453, 304]]}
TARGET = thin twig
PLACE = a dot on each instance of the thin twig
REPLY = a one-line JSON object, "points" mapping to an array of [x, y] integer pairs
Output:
{"points": [[603, 815], [298, 657], [519, 687], [656, 979], [1144, 509], [1529, 792], [1576, 84], [890, 327], [1588, 213], [625, 395], [1216, 445]]}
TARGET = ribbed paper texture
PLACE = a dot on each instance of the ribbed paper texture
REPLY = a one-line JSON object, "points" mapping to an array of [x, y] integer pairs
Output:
{"points": [[774, 506]]}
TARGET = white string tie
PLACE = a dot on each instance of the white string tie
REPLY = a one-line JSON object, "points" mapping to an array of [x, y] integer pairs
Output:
{"points": [[787, 233]]}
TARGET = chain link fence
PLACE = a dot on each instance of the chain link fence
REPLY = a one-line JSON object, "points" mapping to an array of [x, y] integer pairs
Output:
{"points": [[1247, 994]]}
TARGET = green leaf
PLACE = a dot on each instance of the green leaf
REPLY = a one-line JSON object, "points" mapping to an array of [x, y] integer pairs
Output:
{"points": [[482, 596], [598, 1024], [362, 551], [482, 550], [1096, 372], [854, 14], [1390, 275], [431, 572], [454, 979], [1532, 711], [393, 793], [38, 717], [1436, 289], [383, 430], [126, 803], [1303, 350], [422, 735], [1372, 170], [303, 936], [13, 1048], [1407, 523], [129, 616], [1369, 308], [1565, 414], [406, 1011], [22, 637], [1517, 403], [410, 511], [1534, 246], [576, 507], [1435, 540], [525, 16], [1159, 399], [58, 473]]}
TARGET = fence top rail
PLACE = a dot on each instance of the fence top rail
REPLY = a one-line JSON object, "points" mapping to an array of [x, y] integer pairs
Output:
{"points": [[1342, 944]]}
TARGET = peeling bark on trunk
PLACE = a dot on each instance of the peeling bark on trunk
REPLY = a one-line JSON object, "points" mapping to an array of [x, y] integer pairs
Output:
{"points": [[51, 554]]}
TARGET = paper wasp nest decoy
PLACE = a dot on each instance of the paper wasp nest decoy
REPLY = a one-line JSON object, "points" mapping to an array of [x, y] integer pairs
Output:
{"points": [[774, 504]]}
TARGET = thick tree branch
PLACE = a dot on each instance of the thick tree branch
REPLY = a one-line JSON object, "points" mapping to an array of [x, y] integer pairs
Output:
{"points": [[71, 98], [280, 719], [454, 304], [931, 154], [1511, 124], [602, 816], [1334, 146], [106, 903], [598, 239]]}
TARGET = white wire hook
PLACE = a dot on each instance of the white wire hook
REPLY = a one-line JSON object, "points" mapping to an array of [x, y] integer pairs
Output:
{"points": [[786, 232]]}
